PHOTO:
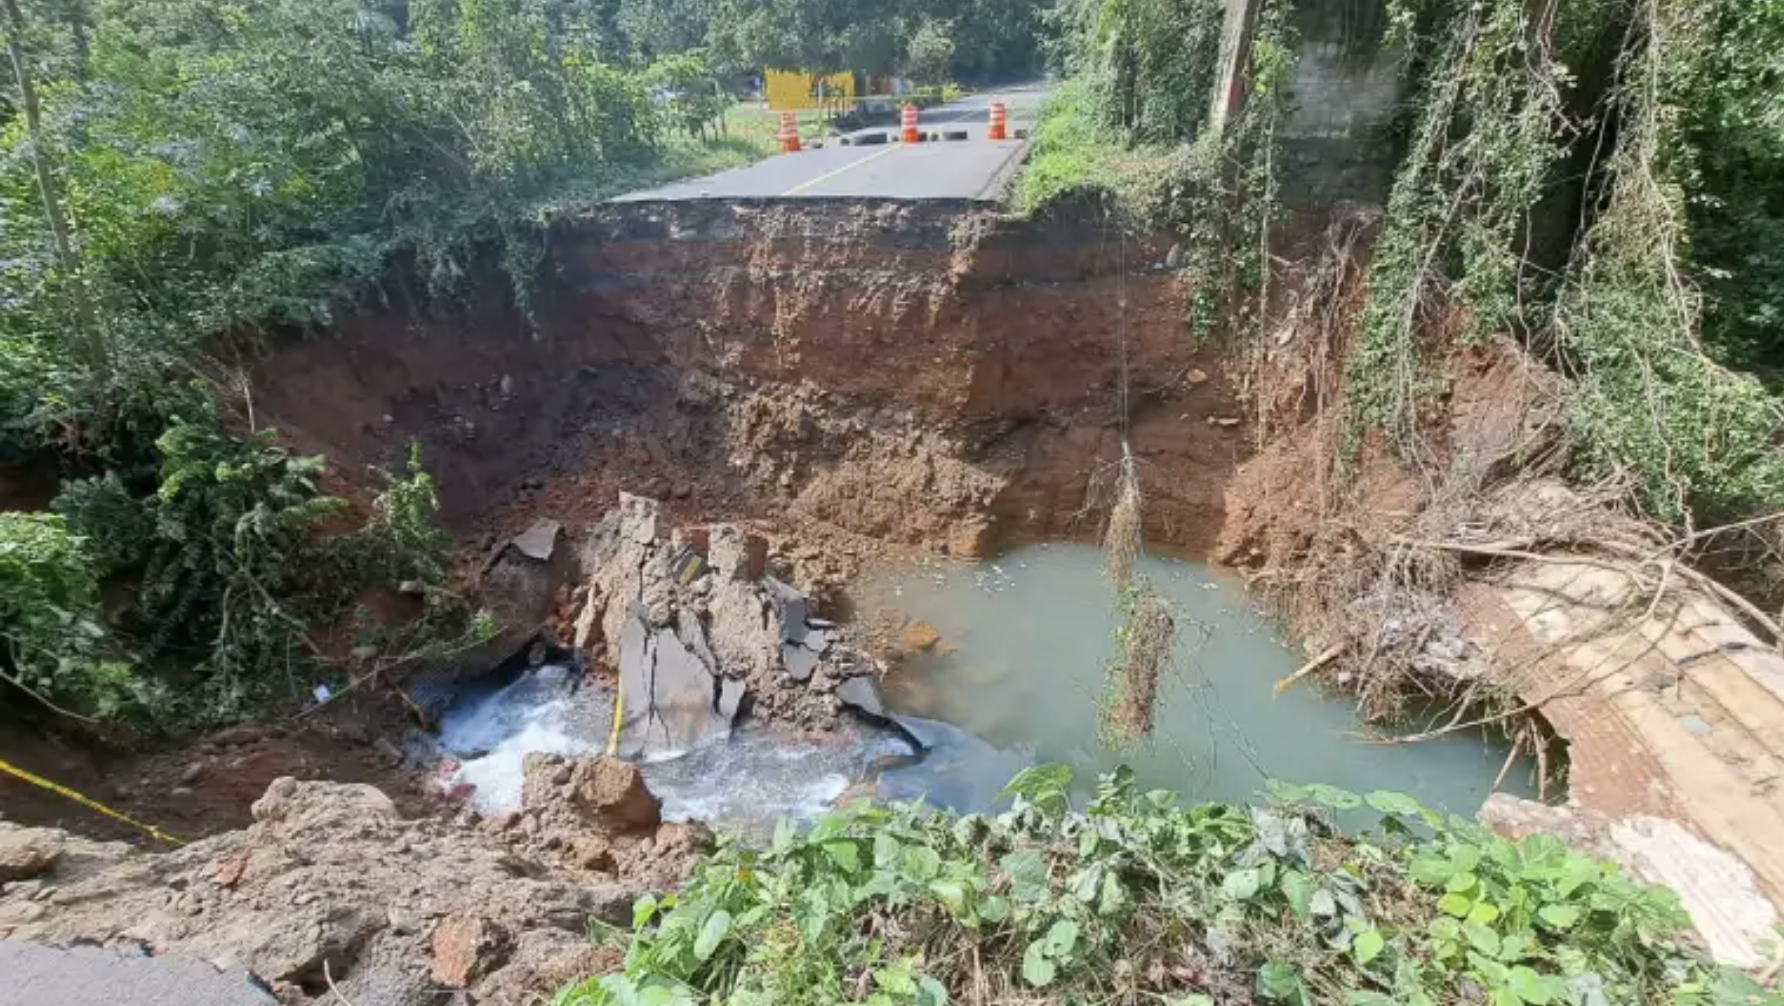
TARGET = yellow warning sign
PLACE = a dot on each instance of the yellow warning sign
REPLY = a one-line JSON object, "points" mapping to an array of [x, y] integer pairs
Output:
{"points": [[791, 91]]}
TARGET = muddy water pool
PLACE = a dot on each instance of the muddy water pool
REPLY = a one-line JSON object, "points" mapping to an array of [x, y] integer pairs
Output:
{"points": [[1015, 680], [1025, 640]]}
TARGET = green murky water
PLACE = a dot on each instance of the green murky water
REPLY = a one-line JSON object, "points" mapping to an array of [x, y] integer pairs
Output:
{"points": [[1025, 640]]}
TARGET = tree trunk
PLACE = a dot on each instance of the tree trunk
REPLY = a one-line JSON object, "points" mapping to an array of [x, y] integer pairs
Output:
{"points": [[92, 342]]}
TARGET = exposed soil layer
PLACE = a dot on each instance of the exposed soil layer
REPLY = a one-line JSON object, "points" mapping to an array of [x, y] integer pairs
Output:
{"points": [[918, 374], [201, 788]]}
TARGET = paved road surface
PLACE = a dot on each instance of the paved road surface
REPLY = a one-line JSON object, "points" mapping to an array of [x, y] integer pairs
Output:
{"points": [[34, 975], [973, 168]]}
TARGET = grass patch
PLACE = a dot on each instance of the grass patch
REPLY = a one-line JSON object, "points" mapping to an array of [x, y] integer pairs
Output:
{"points": [[1074, 151], [1136, 899]]}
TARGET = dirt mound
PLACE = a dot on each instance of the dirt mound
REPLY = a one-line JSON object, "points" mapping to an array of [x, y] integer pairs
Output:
{"points": [[331, 882]]}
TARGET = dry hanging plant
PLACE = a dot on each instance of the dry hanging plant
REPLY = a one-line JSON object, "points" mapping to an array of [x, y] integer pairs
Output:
{"points": [[1146, 637], [1121, 540]]}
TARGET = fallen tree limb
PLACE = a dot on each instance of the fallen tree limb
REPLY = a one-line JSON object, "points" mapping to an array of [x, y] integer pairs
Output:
{"points": [[1325, 657]]}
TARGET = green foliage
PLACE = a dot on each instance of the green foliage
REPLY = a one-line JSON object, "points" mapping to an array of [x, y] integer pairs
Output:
{"points": [[1646, 117], [1137, 896], [931, 51], [686, 86], [55, 646], [237, 556], [927, 39], [1129, 126], [1148, 65]]}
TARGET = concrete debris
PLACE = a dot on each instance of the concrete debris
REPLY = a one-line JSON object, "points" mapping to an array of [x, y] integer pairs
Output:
{"points": [[539, 541], [330, 874], [698, 629]]}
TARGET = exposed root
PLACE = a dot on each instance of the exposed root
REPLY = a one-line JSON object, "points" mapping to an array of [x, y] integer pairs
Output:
{"points": [[1122, 539], [1146, 637]]}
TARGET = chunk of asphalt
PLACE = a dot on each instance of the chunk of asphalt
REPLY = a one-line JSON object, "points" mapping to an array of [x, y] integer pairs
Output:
{"points": [[799, 661], [790, 606]]}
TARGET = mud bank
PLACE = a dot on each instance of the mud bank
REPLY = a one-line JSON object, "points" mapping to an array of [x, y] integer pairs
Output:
{"points": [[924, 374]]}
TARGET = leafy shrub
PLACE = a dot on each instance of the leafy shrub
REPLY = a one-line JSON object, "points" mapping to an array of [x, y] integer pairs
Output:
{"points": [[55, 647], [1139, 899]]}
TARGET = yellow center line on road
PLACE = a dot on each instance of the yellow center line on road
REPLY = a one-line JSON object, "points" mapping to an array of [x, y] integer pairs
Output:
{"points": [[802, 186]]}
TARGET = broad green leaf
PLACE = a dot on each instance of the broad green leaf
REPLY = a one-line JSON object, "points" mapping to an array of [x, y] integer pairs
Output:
{"points": [[1483, 913], [1368, 946], [1464, 857], [1037, 970], [896, 979], [844, 854], [1363, 998], [1113, 900], [1028, 876], [1454, 904], [886, 850], [922, 862], [1461, 882], [952, 894], [1241, 885], [1431, 870], [1390, 802], [1481, 938], [643, 910], [784, 835], [1062, 936], [1559, 916], [1333, 797], [930, 992], [1322, 904], [1278, 980], [1531, 987], [1446, 928], [1285, 792], [1298, 888], [994, 909], [718, 924]]}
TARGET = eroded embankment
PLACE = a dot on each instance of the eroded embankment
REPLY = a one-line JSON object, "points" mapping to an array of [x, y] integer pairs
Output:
{"points": [[914, 373], [863, 374]]}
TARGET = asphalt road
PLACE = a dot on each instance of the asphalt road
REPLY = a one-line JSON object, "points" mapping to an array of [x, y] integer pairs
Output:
{"points": [[975, 168]]}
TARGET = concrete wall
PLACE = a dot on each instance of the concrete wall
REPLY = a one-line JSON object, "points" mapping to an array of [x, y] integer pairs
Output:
{"points": [[1347, 87]]}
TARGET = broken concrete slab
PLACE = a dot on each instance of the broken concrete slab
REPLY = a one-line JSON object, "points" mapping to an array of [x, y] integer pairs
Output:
{"points": [[790, 609], [539, 541], [38, 975], [800, 661]]}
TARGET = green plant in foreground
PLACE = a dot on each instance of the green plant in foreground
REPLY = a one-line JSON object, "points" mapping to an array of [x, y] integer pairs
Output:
{"points": [[51, 642], [1139, 899]]}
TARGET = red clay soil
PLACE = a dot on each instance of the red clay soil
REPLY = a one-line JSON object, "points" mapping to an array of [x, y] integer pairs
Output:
{"points": [[903, 372]]}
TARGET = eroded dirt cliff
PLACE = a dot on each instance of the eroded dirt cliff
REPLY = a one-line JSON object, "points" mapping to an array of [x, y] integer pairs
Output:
{"points": [[924, 374]]}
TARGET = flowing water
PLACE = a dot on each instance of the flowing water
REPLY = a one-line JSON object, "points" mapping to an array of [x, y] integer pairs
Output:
{"points": [[1025, 641], [1016, 680]]}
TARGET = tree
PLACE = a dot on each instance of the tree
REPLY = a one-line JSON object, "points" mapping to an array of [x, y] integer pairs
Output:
{"points": [[931, 51]]}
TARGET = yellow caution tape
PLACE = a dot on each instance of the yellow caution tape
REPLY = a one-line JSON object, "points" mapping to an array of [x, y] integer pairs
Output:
{"points": [[619, 711], [37, 780]]}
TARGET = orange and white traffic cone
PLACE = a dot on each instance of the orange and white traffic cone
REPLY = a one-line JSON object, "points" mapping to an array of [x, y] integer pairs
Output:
{"points": [[908, 123], [999, 121], [789, 133]]}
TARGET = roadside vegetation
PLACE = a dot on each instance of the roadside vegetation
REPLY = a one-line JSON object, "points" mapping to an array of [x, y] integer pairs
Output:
{"points": [[181, 179], [1613, 204], [1137, 899]]}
